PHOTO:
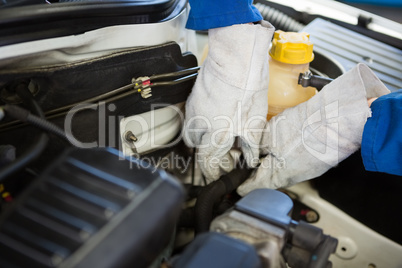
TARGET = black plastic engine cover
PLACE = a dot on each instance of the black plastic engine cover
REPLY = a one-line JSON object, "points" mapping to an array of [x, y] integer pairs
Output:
{"points": [[71, 83], [91, 208]]}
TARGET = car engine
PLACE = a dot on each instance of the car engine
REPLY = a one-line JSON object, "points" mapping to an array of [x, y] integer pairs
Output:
{"points": [[94, 171]]}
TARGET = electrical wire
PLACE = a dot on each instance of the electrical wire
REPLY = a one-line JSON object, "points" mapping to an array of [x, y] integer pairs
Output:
{"points": [[129, 93], [173, 82], [119, 93], [110, 96], [32, 152], [23, 115], [175, 74], [94, 99]]}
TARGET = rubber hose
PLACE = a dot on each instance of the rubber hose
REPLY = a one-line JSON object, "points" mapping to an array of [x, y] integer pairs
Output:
{"points": [[280, 20], [223, 206], [25, 116], [193, 190], [319, 82], [211, 193], [32, 152], [205, 205]]}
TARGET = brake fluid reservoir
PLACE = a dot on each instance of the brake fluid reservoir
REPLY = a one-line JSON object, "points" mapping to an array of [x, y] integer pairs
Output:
{"points": [[290, 55]]}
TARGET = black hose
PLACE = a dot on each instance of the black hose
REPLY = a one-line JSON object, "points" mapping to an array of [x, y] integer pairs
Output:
{"points": [[319, 82], [193, 190], [32, 152], [224, 205], [278, 19], [309, 80], [211, 193], [40, 122]]}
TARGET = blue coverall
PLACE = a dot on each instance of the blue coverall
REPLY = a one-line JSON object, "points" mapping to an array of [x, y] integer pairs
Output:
{"points": [[381, 146], [382, 136]]}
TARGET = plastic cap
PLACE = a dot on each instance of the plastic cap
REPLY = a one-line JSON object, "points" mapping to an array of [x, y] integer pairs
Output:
{"points": [[293, 48]]}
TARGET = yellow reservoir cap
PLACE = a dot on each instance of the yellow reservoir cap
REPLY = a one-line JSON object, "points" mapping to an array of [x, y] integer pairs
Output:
{"points": [[291, 47]]}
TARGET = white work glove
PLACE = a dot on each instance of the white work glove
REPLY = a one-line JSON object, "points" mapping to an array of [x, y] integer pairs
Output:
{"points": [[230, 97], [305, 141]]}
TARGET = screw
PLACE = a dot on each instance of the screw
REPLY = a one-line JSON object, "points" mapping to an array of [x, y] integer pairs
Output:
{"points": [[311, 216], [368, 59], [130, 137]]}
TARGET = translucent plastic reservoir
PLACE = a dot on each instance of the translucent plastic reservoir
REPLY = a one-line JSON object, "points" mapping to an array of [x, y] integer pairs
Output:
{"points": [[283, 89], [290, 55]]}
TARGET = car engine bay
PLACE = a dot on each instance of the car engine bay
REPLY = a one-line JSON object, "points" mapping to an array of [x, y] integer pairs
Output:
{"points": [[94, 171]]}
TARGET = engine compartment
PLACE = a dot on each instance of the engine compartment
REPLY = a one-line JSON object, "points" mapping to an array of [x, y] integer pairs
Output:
{"points": [[156, 208]]}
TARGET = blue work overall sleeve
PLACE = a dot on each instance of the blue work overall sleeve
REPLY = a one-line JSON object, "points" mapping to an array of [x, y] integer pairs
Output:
{"points": [[382, 136], [208, 14]]}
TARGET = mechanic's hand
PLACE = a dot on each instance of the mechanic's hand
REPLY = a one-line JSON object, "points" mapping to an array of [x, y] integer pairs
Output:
{"points": [[370, 101], [305, 141], [230, 97]]}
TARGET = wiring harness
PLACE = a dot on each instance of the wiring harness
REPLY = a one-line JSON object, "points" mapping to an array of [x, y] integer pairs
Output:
{"points": [[141, 85]]}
